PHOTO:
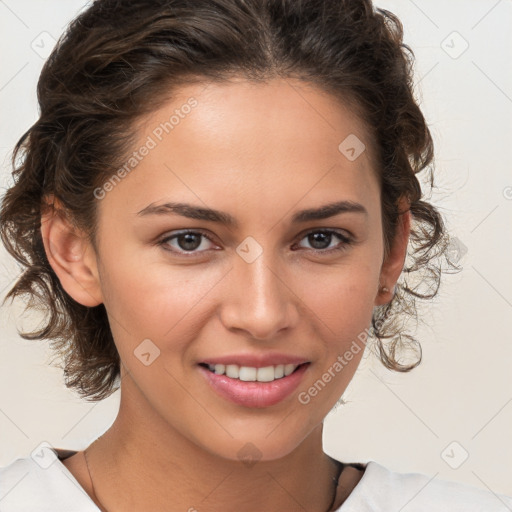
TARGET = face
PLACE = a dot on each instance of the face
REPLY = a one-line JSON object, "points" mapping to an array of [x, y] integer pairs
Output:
{"points": [[277, 285]]}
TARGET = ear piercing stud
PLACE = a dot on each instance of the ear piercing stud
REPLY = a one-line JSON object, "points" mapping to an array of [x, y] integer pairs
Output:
{"points": [[384, 289]]}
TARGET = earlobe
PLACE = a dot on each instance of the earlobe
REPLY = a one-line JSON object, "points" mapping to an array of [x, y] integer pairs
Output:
{"points": [[394, 263], [71, 256]]}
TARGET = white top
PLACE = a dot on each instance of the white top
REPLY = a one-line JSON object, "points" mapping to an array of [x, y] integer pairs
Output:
{"points": [[41, 483]]}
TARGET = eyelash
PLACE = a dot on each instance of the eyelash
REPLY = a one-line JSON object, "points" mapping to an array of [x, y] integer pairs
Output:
{"points": [[345, 242]]}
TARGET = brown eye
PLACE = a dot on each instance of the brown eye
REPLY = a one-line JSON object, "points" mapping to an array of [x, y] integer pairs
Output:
{"points": [[186, 242], [189, 241], [321, 240]]}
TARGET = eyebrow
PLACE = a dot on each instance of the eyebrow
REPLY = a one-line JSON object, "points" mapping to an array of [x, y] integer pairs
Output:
{"points": [[208, 214]]}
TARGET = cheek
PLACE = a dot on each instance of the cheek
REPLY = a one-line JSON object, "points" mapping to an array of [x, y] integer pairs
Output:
{"points": [[153, 300], [344, 297], [342, 307]]}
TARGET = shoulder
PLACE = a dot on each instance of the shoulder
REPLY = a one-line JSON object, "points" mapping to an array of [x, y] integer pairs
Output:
{"points": [[381, 489], [41, 482]]}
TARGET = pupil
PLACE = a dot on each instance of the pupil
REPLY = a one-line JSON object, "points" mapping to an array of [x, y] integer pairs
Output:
{"points": [[189, 243], [315, 238]]}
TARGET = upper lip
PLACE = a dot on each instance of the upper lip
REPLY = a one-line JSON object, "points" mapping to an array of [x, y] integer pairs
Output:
{"points": [[256, 360]]}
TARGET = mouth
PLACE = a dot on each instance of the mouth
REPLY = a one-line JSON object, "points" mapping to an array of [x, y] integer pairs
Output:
{"points": [[255, 387], [251, 373]]}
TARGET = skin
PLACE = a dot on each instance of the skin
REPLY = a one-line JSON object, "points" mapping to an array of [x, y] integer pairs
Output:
{"points": [[259, 152]]}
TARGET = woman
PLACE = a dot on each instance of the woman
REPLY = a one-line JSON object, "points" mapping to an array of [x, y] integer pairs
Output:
{"points": [[215, 204]]}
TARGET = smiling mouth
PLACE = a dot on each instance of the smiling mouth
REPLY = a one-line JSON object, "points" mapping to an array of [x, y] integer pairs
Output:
{"points": [[251, 373]]}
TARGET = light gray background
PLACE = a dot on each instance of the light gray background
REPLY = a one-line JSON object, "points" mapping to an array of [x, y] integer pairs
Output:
{"points": [[458, 402]]}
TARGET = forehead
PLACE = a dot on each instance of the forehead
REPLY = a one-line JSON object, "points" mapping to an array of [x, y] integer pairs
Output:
{"points": [[249, 112], [267, 144]]}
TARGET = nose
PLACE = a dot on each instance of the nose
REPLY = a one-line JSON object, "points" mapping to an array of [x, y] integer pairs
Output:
{"points": [[259, 300]]}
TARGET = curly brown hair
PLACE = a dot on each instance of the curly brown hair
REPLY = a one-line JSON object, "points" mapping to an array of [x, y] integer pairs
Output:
{"points": [[120, 60]]}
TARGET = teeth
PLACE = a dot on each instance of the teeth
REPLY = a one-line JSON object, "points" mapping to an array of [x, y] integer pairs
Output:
{"points": [[279, 371], [233, 371], [248, 373], [252, 374], [266, 374], [289, 368]]}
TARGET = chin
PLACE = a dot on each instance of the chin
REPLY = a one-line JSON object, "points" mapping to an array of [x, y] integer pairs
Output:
{"points": [[254, 441]]}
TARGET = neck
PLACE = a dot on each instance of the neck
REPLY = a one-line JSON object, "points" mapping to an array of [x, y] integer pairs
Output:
{"points": [[141, 463]]}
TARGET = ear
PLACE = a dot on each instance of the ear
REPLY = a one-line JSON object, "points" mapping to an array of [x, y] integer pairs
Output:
{"points": [[394, 263], [71, 255]]}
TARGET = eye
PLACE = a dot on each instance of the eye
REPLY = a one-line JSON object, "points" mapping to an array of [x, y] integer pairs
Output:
{"points": [[185, 242], [190, 242], [321, 239]]}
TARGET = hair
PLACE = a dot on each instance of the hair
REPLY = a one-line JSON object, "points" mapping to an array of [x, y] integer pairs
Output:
{"points": [[120, 60]]}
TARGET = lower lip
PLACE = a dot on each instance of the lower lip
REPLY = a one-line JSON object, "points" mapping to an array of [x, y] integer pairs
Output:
{"points": [[254, 394]]}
